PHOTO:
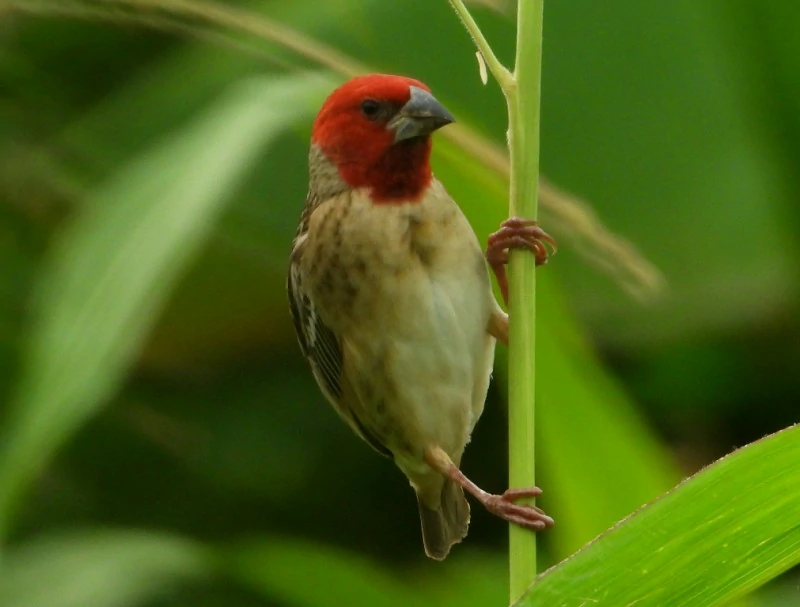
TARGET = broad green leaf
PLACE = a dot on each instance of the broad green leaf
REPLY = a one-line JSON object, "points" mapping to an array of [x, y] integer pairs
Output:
{"points": [[108, 278], [720, 534], [99, 569]]}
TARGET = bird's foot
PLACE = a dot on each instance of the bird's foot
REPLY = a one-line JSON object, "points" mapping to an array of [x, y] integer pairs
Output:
{"points": [[503, 505], [516, 233], [526, 516], [519, 233]]}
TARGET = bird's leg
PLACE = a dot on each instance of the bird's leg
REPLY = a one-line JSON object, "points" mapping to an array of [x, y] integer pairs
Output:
{"points": [[516, 233], [503, 505], [498, 325]]}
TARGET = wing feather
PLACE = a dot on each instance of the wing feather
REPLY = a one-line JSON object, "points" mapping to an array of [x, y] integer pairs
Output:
{"points": [[320, 345]]}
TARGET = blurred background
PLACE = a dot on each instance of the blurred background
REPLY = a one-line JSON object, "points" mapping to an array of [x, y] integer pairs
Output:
{"points": [[163, 441]]}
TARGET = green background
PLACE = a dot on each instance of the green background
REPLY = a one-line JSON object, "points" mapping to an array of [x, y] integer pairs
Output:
{"points": [[164, 443]]}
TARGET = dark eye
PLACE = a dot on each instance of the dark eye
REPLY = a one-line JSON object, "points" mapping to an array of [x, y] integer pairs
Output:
{"points": [[370, 108]]}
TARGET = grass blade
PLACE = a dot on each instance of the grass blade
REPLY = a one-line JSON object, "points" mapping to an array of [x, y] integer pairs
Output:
{"points": [[717, 536]]}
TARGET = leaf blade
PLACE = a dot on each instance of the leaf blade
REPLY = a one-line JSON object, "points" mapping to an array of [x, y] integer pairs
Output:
{"points": [[717, 536]]}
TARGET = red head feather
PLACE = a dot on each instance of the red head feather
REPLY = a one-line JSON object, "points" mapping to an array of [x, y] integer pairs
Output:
{"points": [[364, 149]]}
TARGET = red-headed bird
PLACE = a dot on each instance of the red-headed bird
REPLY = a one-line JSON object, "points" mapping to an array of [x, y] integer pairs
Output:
{"points": [[392, 300]]}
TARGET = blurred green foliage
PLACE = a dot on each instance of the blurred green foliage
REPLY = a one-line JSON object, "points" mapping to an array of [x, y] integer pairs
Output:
{"points": [[164, 443]]}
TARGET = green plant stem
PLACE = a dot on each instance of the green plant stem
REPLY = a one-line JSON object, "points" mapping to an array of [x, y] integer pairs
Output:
{"points": [[504, 78], [522, 90], [523, 139]]}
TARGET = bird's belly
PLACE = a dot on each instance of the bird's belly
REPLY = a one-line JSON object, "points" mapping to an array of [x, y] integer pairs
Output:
{"points": [[437, 360], [408, 293]]}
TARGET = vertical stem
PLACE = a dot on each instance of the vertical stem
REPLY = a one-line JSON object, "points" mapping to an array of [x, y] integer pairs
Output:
{"points": [[523, 113], [522, 90]]}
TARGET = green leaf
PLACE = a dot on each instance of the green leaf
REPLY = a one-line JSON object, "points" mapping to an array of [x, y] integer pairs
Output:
{"points": [[720, 534], [98, 569], [109, 277]]}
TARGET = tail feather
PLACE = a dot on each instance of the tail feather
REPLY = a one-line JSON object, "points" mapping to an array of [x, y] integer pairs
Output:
{"points": [[446, 525]]}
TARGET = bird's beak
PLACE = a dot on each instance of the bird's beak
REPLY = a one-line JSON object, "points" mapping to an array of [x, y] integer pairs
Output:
{"points": [[420, 116]]}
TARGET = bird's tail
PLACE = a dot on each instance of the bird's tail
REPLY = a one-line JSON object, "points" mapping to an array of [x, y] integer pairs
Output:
{"points": [[446, 525]]}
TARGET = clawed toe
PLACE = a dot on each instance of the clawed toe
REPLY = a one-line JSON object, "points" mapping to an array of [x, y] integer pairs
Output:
{"points": [[517, 233], [526, 516], [528, 523], [515, 494]]}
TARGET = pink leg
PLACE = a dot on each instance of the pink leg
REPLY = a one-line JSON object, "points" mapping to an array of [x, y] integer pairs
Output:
{"points": [[503, 505], [516, 233]]}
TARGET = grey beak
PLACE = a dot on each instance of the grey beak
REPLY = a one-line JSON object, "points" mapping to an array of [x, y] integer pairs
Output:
{"points": [[421, 115]]}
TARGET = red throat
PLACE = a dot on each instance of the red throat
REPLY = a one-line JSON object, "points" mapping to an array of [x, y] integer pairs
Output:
{"points": [[401, 173]]}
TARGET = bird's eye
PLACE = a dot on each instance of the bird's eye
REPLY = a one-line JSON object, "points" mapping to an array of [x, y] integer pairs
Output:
{"points": [[370, 108]]}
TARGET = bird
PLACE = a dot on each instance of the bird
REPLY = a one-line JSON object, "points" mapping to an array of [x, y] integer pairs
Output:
{"points": [[392, 301]]}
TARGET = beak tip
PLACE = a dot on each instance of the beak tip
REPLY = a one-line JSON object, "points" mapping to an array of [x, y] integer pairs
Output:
{"points": [[421, 115]]}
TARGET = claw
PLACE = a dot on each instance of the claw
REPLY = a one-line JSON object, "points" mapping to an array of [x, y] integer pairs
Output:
{"points": [[516, 233], [530, 517], [516, 494]]}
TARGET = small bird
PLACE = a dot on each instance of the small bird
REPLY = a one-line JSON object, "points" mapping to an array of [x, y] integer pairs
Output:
{"points": [[392, 301]]}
